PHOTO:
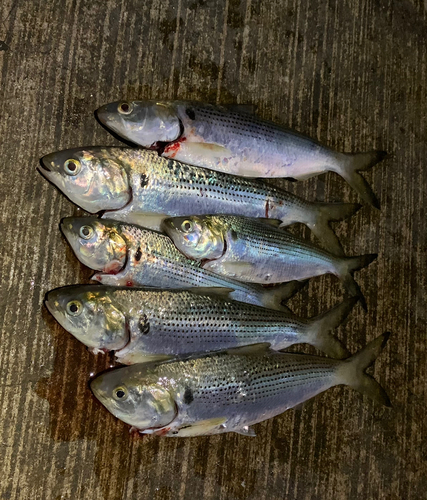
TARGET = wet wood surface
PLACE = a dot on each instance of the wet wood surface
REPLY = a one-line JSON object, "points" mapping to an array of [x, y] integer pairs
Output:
{"points": [[350, 73]]}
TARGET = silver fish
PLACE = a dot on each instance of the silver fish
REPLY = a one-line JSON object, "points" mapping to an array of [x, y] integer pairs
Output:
{"points": [[146, 324], [228, 391], [129, 255], [140, 187], [250, 250], [225, 139]]}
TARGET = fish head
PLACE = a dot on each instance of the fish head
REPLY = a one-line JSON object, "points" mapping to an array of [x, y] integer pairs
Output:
{"points": [[195, 237], [97, 243], [90, 314], [91, 178], [135, 396], [141, 122]]}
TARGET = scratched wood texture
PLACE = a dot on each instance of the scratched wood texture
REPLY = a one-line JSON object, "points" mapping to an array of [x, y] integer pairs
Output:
{"points": [[351, 73]]}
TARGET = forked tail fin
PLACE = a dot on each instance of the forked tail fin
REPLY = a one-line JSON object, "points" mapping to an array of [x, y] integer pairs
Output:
{"points": [[321, 216], [319, 329], [349, 167], [347, 266], [272, 297], [351, 372]]}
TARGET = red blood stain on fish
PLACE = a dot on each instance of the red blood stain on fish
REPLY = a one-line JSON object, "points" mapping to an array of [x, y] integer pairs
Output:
{"points": [[172, 149], [129, 283], [113, 267], [267, 208]]}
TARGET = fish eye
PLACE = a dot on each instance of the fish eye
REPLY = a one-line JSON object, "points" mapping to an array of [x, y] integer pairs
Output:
{"points": [[187, 226], [86, 232], [125, 108], [74, 308], [120, 393], [72, 167]]}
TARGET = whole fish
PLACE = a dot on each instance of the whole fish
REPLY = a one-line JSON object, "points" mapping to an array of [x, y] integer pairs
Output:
{"points": [[250, 250], [129, 255], [225, 139], [140, 187], [228, 391], [147, 324]]}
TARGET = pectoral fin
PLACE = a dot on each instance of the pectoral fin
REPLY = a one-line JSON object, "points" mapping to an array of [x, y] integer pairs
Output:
{"points": [[199, 153], [147, 220], [234, 269]]}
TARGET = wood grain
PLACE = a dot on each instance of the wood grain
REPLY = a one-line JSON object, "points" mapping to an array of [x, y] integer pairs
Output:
{"points": [[351, 73]]}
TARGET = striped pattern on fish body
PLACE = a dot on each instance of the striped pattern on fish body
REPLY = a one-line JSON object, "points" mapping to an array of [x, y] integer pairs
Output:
{"points": [[253, 251], [259, 253], [230, 390], [168, 187], [183, 322]]}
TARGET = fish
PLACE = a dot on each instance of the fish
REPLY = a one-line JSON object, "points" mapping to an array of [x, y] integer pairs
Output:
{"points": [[132, 256], [151, 324], [254, 251], [232, 140], [138, 186], [228, 391]]}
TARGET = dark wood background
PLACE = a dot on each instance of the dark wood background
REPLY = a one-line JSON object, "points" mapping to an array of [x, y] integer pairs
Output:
{"points": [[351, 73]]}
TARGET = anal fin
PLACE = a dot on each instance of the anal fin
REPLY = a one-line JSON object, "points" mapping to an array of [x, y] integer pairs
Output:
{"points": [[202, 428]]}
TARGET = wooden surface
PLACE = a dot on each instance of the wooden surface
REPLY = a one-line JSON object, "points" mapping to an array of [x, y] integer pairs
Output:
{"points": [[351, 73]]}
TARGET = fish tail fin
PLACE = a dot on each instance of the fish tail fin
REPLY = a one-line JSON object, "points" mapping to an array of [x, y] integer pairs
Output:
{"points": [[324, 213], [347, 266], [352, 371], [319, 329], [349, 166], [274, 296]]}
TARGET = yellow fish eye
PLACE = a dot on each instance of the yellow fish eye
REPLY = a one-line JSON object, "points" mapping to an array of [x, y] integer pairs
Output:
{"points": [[120, 393], [72, 167], [187, 226], [125, 108], [86, 232], [74, 308]]}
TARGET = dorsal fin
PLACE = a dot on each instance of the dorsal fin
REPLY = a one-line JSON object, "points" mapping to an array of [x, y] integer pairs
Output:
{"points": [[250, 349], [249, 109], [271, 222], [213, 291]]}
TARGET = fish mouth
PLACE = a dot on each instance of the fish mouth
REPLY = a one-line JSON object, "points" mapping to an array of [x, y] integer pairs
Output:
{"points": [[52, 306], [102, 114], [44, 164], [168, 226]]}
